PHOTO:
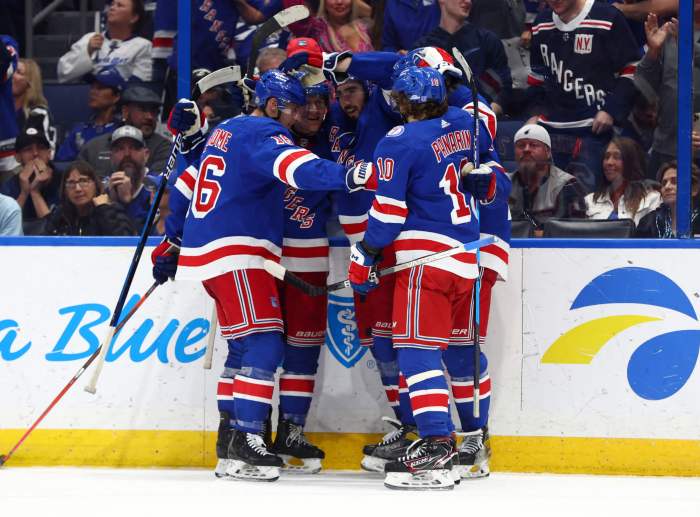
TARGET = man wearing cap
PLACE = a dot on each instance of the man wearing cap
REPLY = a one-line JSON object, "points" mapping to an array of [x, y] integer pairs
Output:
{"points": [[105, 91], [139, 108], [540, 189], [36, 187], [126, 186]]}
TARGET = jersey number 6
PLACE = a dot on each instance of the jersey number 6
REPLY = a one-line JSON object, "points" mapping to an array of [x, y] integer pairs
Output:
{"points": [[450, 184], [208, 187]]}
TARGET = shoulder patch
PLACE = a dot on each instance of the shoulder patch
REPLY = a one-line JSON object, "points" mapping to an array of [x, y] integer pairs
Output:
{"points": [[396, 131]]}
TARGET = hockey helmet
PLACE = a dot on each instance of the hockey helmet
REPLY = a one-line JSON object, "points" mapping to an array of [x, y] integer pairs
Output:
{"points": [[320, 89], [421, 85], [281, 86]]}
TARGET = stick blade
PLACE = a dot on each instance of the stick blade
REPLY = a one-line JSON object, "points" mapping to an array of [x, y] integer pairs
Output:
{"points": [[3, 459], [291, 15], [274, 269], [228, 74]]}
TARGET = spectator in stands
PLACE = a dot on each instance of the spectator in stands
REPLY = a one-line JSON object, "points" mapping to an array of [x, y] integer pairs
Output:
{"points": [[269, 58], [129, 186], [27, 90], [657, 78], [105, 91], [661, 223], [582, 61], [481, 48], [622, 193], [139, 108], [641, 123], [9, 53], [119, 47], [84, 208], [406, 21], [10, 217], [337, 26], [252, 14], [540, 189], [36, 186]]}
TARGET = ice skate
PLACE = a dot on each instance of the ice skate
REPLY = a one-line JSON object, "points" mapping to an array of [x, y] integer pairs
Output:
{"points": [[390, 447], [472, 460], [223, 438], [427, 465], [249, 458], [299, 455]]}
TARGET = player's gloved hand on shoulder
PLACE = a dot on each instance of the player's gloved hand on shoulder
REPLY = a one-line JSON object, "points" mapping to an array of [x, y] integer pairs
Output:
{"points": [[480, 181], [164, 258], [331, 60], [362, 175], [363, 268]]}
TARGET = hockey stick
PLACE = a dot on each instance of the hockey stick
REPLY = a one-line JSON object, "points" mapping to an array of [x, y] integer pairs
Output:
{"points": [[281, 273], [4, 458], [228, 74], [471, 80], [279, 21], [210, 341]]}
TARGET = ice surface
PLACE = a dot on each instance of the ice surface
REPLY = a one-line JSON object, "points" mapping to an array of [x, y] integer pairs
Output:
{"points": [[164, 492]]}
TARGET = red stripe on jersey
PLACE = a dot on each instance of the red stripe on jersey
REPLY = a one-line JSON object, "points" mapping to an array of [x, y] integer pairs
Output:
{"points": [[303, 385], [162, 42], [242, 386], [386, 208], [533, 81], [429, 400], [466, 392], [402, 382], [353, 228], [392, 394], [225, 388], [492, 249], [628, 70], [428, 245], [288, 161], [5, 154], [305, 252], [225, 251], [188, 179]]}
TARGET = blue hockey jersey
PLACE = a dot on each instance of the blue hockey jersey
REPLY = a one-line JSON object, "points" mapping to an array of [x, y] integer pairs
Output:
{"points": [[584, 66], [420, 204], [235, 219], [8, 127]]}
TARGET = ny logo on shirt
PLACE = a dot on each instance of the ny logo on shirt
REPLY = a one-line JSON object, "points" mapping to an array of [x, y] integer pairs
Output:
{"points": [[583, 43]]}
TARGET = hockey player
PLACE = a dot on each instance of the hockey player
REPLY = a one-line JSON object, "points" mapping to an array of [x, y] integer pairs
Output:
{"points": [[420, 206], [233, 224]]}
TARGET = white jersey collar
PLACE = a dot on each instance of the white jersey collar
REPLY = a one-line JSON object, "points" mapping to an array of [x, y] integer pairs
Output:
{"points": [[573, 24]]}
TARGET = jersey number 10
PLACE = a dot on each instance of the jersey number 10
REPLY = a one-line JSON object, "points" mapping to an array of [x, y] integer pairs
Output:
{"points": [[450, 184]]}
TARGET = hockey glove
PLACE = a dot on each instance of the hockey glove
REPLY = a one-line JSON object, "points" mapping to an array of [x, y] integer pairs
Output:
{"points": [[481, 182], [363, 268], [164, 259], [185, 118], [362, 175], [330, 64]]}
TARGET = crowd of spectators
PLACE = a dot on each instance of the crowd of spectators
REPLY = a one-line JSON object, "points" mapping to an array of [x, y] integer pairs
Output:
{"points": [[616, 163]]}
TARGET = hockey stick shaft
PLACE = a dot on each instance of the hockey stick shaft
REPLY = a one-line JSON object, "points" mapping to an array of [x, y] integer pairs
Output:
{"points": [[477, 284], [209, 354], [5, 458]]}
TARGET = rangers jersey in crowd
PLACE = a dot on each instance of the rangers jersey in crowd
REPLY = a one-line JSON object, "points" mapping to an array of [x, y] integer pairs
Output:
{"points": [[420, 205], [235, 218], [583, 66], [8, 128]]}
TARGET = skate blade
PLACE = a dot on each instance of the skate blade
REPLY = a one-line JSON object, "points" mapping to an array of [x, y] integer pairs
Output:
{"points": [[428, 480], [240, 470], [293, 465], [373, 464], [221, 467], [473, 471]]}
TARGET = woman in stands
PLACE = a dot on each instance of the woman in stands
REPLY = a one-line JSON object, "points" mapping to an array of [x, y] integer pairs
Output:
{"points": [[661, 223], [28, 93], [339, 25], [621, 192], [120, 46], [85, 208]]}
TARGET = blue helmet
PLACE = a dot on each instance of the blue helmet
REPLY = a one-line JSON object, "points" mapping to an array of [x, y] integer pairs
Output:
{"points": [[320, 89], [402, 64], [421, 85], [282, 87]]}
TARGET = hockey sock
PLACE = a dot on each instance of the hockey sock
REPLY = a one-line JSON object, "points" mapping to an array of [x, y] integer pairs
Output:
{"points": [[224, 388], [427, 389], [459, 361], [255, 383], [385, 356], [297, 381], [405, 402]]}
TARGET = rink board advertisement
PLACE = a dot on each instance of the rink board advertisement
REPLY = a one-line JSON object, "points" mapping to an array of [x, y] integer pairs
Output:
{"points": [[592, 354]]}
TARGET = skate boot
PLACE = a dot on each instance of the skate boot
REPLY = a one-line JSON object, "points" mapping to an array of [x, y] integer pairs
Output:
{"points": [[427, 465], [299, 455], [473, 454], [249, 458], [391, 447], [222, 440]]}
